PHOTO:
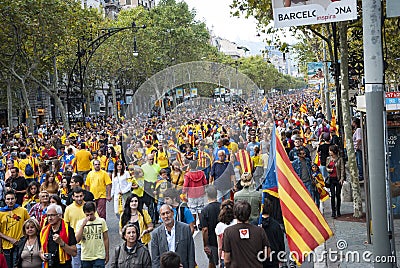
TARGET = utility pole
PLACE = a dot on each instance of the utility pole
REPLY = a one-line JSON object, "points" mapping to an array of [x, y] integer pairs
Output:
{"points": [[374, 97]]}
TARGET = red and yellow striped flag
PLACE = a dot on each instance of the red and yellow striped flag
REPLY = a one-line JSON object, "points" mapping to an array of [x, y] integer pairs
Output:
{"points": [[94, 146], [303, 108], [305, 226], [202, 159], [244, 159]]}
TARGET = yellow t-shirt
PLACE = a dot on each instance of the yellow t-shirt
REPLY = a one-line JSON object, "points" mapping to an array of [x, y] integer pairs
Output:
{"points": [[97, 181], [22, 166], [140, 182], [150, 149], [92, 239], [73, 213], [257, 160], [233, 147], [117, 149], [82, 158], [11, 223], [162, 159], [103, 162]]}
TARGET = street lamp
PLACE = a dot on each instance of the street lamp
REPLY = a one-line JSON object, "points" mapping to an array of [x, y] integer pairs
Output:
{"points": [[85, 55]]}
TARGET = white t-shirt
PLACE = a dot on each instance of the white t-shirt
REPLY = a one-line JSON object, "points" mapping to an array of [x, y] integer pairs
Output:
{"points": [[220, 228]]}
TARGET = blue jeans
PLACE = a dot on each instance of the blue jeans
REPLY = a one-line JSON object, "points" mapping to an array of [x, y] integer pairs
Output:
{"points": [[99, 263], [76, 261], [309, 188], [316, 197], [11, 257], [359, 160], [222, 194]]}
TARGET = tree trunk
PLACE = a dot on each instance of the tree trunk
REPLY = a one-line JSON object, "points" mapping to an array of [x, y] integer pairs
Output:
{"points": [[27, 105], [355, 185], [114, 100], [58, 102], [9, 103]]}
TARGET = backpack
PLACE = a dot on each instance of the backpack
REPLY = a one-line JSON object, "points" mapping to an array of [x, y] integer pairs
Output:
{"points": [[29, 170]]}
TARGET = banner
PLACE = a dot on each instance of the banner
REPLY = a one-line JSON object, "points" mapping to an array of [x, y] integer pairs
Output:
{"points": [[193, 92], [179, 92], [315, 73], [305, 12]]}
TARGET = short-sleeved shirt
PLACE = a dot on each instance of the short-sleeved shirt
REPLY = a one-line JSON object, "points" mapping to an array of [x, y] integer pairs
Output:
{"points": [[357, 136], [83, 158], [73, 214], [97, 181], [18, 184], [209, 219], [11, 223], [53, 247], [244, 241], [151, 172], [92, 239]]}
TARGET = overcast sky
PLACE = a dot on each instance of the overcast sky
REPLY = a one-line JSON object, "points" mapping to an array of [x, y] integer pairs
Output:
{"points": [[216, 14]]}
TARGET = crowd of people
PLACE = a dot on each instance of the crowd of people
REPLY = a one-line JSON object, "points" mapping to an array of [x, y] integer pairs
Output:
{"points": [[167, 177]]}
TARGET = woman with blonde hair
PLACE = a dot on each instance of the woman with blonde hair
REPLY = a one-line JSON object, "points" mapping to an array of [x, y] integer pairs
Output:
{"points": [[177, 175], [28, 253]]}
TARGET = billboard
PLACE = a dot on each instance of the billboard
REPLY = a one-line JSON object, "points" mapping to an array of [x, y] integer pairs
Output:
{"points": [[315, 73], [305, 12]]}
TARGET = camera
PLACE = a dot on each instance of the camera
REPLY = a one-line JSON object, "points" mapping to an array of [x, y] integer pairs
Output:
{"points": [[49, 258]]}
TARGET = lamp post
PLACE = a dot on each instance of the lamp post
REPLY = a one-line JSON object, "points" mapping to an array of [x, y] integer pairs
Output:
{"points": [[84, 55]]}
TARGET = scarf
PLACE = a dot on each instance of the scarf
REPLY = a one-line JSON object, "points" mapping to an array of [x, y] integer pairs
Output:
{"points": [[44, 237], [7, 208]]}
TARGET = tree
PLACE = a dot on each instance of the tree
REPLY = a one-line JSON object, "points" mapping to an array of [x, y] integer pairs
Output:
{"points": [[172, 36], [38, 36], [355, 184]]}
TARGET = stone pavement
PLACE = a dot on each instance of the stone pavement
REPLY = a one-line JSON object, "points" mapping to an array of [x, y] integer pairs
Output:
{"points": [[349, 241]]}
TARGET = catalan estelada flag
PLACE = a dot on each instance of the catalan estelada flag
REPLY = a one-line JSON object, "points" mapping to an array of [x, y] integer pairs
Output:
{"points": [[305, 226], [270, 184]]}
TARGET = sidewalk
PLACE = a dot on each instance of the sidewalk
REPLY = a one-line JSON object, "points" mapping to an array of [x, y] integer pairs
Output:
{"points": [[352, 237]]}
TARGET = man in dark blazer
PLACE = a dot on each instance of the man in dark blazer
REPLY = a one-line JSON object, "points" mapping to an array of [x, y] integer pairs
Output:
{"points": [[172, 236]]}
